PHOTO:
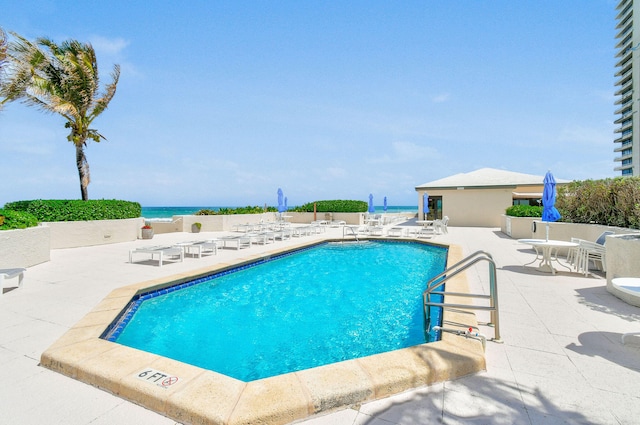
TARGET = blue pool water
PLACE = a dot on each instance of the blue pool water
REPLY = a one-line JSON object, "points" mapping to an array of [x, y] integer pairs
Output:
{"points": [[317, 306]]}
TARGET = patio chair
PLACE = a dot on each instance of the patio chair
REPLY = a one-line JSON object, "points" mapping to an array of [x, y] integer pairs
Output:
{"points": [[239, 241], [9, 274], [588, 251], [161, 251], [395, 231], [199, 247], [426, 232], [572, 253], [375, 230], [440, 225]]}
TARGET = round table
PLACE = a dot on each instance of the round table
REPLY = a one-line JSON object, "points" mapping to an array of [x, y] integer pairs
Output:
{"points": [[547, 247]]}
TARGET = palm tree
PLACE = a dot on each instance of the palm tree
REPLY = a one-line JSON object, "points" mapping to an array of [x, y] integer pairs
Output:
{"points": [[3, 57], [63, 80]]}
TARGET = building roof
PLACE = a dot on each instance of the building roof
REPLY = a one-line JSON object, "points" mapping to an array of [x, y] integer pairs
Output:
{"points": [[487, 177]]}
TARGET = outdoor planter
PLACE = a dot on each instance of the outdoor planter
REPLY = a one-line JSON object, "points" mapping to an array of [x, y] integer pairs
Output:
{"points": [[195, 227], [147, 233], [623, 261]]}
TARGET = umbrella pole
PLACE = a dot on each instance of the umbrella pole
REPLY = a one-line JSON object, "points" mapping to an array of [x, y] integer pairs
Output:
{"points": [[547, 232]]}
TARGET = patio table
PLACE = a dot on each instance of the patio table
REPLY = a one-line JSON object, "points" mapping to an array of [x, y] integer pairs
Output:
{"points": [[548, 248]]}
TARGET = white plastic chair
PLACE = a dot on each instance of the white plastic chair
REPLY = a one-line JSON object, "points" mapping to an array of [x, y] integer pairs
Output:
{"points": [[572, 254], [590, 251], [9, 274]]}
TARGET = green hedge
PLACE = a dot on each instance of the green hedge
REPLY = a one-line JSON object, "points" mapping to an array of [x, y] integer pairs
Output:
{"points": [[16, 220], [77, 210], [240, 210], [524, 211], [322, 206], [336, 206], [612, 202]]}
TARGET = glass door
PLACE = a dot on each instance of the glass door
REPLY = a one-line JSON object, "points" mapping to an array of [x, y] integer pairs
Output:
{"points": [[435, 208]]}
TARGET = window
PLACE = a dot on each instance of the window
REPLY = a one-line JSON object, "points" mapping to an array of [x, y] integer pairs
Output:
{"points": [[531, 202]]}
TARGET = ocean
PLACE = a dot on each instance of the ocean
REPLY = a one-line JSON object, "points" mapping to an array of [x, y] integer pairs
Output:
{"points": [[156, 213]]}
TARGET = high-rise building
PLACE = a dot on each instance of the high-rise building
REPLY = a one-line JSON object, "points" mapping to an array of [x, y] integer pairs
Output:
{"points": [[628, 90]]}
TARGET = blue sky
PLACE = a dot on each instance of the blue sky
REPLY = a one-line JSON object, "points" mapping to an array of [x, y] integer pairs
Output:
{"points": [[223, 102]]}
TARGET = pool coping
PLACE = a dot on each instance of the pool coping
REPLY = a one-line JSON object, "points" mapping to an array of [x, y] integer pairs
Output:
{"points": [[203, 396]]}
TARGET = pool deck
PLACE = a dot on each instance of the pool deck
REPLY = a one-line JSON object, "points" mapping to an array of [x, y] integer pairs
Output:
{"points": [[561, 361]]}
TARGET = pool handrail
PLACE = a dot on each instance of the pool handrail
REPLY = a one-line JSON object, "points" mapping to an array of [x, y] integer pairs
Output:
{"points": [[355, 234], [454, 270]]}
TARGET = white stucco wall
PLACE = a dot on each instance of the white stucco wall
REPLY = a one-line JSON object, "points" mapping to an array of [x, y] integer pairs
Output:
{"points": [[71, 234], [472, 207], [24, 247]]}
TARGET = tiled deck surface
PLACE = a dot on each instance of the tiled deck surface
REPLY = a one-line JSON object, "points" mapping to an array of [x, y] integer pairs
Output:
{"points": [[561, 361]]}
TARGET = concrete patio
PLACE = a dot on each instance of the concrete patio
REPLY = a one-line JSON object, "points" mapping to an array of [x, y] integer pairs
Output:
{"points": [[561, 361]]}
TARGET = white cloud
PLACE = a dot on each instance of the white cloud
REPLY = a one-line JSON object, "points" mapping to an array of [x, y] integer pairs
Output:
{"points": [[333, 173], [112, 50], [441, 98], [405, 152], [587, 135], [111, 47]]}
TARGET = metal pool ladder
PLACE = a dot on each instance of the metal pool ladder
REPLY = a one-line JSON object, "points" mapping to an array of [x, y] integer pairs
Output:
{"points": [[355, 234], [436, 282]]}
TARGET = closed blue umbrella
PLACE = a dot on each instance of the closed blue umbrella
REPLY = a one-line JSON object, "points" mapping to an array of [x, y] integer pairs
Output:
{"points": [[280, 204], [385, 204], [425, 204], [372, 209], [549, 211], [285, 204]]}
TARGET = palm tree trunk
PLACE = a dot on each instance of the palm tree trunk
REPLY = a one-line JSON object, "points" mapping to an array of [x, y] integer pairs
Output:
{"points": [[83, 170]]}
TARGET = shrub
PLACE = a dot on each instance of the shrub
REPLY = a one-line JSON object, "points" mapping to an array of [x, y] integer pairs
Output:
{"points": [[612, 202], [334, 206], [239, 210], [77, 210], [16, 220], [524, 211]]}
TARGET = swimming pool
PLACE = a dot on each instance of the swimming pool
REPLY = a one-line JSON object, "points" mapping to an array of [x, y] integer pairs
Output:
{"points": [[317, 306], [190, 394]]}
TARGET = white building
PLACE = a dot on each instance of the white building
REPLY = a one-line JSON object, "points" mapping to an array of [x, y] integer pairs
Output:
{"points": [[481, 197], [628, 78]]}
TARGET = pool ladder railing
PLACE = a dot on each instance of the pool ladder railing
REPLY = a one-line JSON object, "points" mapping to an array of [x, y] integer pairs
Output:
{"points": [[355, 234], [439, 280]]}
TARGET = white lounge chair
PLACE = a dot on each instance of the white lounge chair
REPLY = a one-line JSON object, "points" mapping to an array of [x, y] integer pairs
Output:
{"points": [[425, 232], [395, 231], [282, 234], [161, 251], [10, 274], [375, 230], [263, 238], [301, 231], [238, 241], [199, 247]]}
